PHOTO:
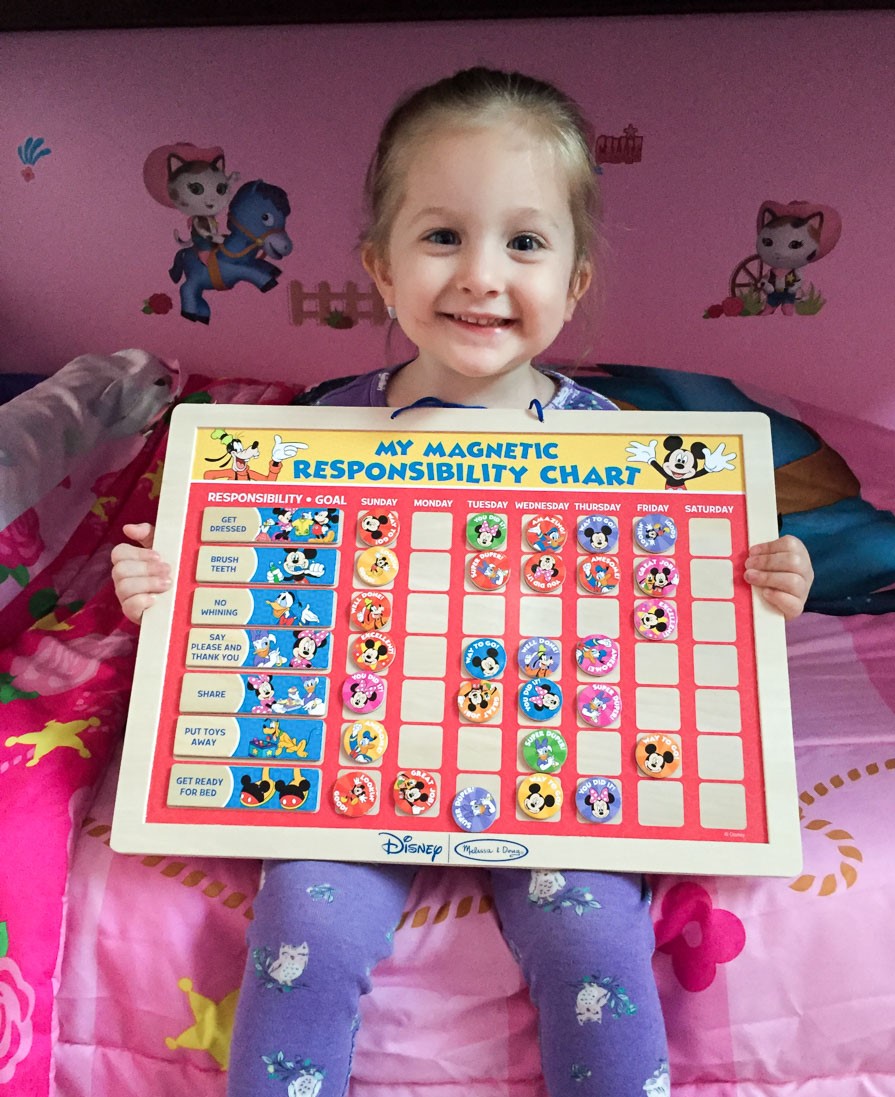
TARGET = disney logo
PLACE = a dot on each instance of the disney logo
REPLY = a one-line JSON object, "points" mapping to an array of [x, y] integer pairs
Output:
{"points": [[396, 844]]}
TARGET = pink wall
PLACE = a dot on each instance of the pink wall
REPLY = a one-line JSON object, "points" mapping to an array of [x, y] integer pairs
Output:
{"points": [[733, 111]]}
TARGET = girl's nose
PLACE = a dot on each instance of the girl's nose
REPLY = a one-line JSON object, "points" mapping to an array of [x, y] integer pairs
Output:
{"points": [[479, 272]]}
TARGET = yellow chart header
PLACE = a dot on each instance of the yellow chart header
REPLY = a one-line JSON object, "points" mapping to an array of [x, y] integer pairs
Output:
{"points": [[418, 459]]}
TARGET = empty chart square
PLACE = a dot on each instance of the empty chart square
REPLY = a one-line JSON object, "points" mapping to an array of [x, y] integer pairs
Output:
{"points": [[720, 757], [722, 807], [711, 578], [429, 571], [427, 612], [420, 747], [479, 748], [718, 710], [598, 615], [660, 803], [422, 700], [714, 622], [710, 537], [658, 709], [431, 531], [540, 616], [484, 614], [715, 665], [599, 753], [656, 664], [425, 656]]}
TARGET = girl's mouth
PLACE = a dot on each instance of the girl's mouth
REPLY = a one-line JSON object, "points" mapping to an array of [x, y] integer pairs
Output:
{"points": [[473, 321]]}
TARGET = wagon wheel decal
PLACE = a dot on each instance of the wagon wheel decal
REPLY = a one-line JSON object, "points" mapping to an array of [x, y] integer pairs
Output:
{"points": [[850, 854], [748, 276]]}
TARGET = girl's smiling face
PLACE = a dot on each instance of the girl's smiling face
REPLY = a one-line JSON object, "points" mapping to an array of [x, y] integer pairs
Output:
{"points": [[480, 263]]}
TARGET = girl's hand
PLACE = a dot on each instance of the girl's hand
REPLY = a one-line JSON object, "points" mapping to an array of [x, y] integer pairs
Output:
{"points": [[782, 572], [138, 572]]}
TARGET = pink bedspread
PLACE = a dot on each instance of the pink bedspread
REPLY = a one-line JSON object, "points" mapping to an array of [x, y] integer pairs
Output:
{"points": [[118, 975]]}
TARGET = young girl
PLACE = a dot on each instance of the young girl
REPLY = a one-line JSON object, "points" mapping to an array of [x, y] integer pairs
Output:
{"points": [[481, 201]]}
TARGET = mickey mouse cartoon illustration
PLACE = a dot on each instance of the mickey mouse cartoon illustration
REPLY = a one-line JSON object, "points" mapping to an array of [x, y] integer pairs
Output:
{"points": [[657, 579], [654, 619], [372, 652], [375, 526], [300, 565], [488, 663], [655, 760], [598, 538], [413, 793], [681, 463], [535, 801]]}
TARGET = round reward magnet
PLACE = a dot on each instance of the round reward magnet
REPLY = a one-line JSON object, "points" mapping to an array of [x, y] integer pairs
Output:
{"points": [[655, 532], [598, 799], [377, 566], [599, 705], [478, 701], [474, 809], [596, 655], [354, 794], [597, 532], [658, 755], [377, 527], [489, 570], [486, 531], [544, 572], [655, 619], [539, 797], [373, 651], [657, 575], [414, 791], [485, 658], [598, 575], [363, 691], [545, 532], [365, 741], [545, 750], [539, 657], [540, 699], [370, 611]]}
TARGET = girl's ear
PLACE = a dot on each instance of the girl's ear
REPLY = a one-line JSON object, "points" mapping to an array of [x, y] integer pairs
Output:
{"points": [[579, 285], [378, 270]]}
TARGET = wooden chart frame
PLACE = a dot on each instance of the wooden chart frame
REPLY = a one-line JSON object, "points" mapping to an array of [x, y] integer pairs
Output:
{"points": [[591, 443]]}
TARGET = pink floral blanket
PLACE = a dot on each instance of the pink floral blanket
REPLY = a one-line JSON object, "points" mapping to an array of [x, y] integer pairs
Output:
{"points": [[119, 975]]}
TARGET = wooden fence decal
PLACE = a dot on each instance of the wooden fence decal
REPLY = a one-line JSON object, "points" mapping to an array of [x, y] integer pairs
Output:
{"points": [[336, 308]]}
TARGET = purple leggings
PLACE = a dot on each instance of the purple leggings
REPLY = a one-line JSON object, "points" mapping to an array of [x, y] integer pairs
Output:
{"points": [[584, 941]]}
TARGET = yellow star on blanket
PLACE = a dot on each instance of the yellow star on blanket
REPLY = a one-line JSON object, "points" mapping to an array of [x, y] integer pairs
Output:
{"points": [[155, 479], [213, 1028], [53, 735]]}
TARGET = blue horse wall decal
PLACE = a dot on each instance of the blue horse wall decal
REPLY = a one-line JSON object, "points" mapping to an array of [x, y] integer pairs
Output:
{"points": [[256, 222]]}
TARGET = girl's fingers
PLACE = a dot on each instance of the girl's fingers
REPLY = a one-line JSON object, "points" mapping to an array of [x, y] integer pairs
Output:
{"points": [[141, 532]]}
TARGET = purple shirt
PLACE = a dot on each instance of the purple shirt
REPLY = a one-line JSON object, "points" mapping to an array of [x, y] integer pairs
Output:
{"points": [[368, 391]]}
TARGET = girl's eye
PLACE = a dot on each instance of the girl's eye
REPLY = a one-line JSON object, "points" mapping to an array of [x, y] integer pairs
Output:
{"points": [[444, 237], [526, 241]]}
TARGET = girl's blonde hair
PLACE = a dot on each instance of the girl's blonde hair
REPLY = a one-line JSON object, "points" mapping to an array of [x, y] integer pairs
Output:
{"points": [[474, 97]]}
